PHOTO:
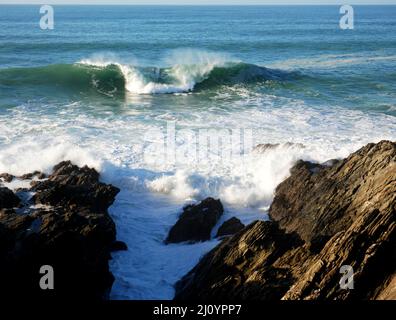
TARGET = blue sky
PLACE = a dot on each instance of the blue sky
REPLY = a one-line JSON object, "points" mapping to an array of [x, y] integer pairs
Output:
{"points": [[224, 2]]}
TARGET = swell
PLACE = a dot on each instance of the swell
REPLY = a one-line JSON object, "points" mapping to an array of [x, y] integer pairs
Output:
{"points": [[113, 78], [74, 77]]}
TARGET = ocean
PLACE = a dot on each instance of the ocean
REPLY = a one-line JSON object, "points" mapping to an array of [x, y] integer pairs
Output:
{"points": [[109, 86]]}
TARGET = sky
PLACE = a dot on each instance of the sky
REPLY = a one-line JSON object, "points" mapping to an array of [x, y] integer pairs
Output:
{"points": [[199, 2]]}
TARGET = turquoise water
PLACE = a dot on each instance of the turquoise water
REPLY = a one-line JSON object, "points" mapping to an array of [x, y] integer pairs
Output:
{"points": [[91, 89], [353, 69]]}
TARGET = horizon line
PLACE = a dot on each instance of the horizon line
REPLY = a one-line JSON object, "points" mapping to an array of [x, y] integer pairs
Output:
{"points": [[196, 5]]}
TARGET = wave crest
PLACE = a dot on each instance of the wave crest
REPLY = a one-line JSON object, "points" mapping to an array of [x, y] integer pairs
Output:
{"points": [[110, 77]]}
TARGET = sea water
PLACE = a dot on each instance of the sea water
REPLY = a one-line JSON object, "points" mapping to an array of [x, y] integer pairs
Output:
{"points": [[91, 90]]}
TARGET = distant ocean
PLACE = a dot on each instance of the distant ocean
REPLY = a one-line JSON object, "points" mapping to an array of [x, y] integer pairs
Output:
{"points": [[90, 90]]}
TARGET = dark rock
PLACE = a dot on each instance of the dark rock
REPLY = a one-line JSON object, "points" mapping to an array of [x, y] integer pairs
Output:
{"points": [[118, 246], [261, 148], [196, 222], [238, 268], [6, 211], [319, 201], [73, 235], [323, 217], [230, 227], [8, 199], [70, 186], [35, 174], [7, 177]]}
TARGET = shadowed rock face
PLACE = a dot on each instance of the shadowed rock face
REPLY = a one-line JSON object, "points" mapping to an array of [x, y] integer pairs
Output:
{"points": [[6, 177], [230, 227], [239, 267], [323, 217], [317, 202], [8, 199], [196, 222], [73, 233], [70, 186]]}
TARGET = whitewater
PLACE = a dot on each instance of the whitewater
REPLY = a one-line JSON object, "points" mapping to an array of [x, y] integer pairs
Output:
{"points": [[111, 86], [153, 192]]}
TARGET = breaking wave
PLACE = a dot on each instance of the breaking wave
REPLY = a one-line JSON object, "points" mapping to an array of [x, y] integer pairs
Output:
{"points": [[111, 78]]}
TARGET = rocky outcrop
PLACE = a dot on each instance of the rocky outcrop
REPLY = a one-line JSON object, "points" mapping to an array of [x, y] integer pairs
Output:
{"points": [[35, 174], [8, 199], [65, 225], [238, 268], [264, 147], [6, 177], [230, 227], [70, 186], [317, 201], [323, 217], [196, 222]]}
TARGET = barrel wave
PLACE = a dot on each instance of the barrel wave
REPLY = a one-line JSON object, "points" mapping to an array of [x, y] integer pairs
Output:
{"points": [[113, 78]]}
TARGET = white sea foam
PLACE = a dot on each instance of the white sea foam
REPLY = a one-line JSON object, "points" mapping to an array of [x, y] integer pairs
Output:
{"points": [[36, 137], [187, 67], [330, 61], [30, 155]]}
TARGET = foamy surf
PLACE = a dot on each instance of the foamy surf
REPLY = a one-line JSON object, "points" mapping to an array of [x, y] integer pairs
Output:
{"points": [[188, 67], [152, 194], [184, 70]]}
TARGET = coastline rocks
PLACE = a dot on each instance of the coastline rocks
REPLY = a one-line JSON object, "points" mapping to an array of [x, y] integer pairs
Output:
{"points": [[72, 232], [264, 147], [8, 199], [323, 218], [238, 268], [71, 186], [118, 246], [6, 177], [230, 227], [196, 222], [36, 174], [319, 201]]}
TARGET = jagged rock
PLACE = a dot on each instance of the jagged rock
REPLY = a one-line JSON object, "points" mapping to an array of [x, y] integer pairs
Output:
{"points": [[261, 148], [323, 217], [118, 246], [8, 199], [239, 267], [368, 246], [35, 174], [73, 234], [70, 186], [7, 177], [196, 222], [230, 227], [319, 201]]}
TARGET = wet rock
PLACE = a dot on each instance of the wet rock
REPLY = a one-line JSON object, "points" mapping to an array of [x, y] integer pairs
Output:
{"points": [[320, 201], [323, 217], [196, 222], [70, 186], [118, 246], [73, 234], [36, 174], [7, 177], [238, 268], [8, 199], [261, 148], [230, 227]]}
